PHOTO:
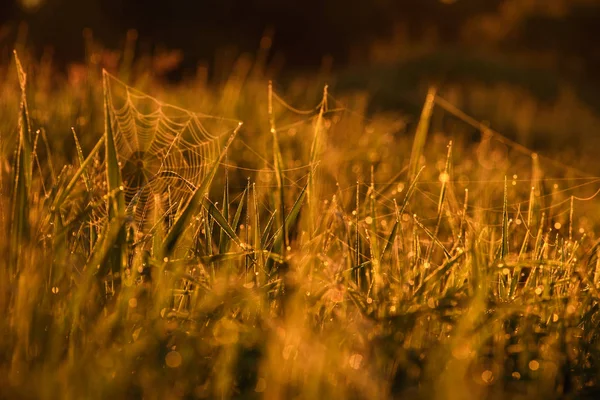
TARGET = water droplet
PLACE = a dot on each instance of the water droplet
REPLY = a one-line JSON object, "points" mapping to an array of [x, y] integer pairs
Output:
{"points": [[534, 365], [487, 376], [462, 350], [355, 361], [557, 225], [173, 359], [431, 302], [261, 385], [539, 290]]}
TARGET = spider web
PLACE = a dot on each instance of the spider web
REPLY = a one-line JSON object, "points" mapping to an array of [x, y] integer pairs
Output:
{"points": [[163, 150]]}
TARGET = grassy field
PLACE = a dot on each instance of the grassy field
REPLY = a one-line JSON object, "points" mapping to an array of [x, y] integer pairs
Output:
{"points": [[291, 247]]}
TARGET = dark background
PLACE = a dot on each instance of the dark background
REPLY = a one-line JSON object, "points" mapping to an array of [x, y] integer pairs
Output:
{"points": [[305, 31]]}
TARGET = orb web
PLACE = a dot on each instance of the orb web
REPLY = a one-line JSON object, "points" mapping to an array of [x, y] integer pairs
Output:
{"points": [[164, 151]]}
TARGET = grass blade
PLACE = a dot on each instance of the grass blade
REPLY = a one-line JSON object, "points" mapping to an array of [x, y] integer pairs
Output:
{"points": [[116, 199], [289, 221], [223, 240], [421, 134], [278, 163], [220, 219], [504, 246], [20, 207]]}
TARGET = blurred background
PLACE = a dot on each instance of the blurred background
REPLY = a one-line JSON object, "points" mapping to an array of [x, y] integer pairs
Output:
{"points": [[527, 66]]}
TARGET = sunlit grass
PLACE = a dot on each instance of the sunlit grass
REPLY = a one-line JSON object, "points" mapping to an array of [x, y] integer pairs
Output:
{"points": [[318, 253]]}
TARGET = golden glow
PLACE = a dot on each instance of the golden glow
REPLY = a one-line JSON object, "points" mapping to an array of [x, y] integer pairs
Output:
{"points": [[31, 5]]}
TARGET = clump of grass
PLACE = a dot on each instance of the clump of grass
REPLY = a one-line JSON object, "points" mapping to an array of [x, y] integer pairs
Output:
{"points": [[300, 284]]}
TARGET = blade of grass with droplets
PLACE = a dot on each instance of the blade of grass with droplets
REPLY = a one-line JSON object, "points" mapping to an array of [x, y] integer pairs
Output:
{"points": [[278, 163], [264, 240], [223, 241], [445, 178], [80, 171], [194, 203], [390, 241], [86, 177], [421, 133], [113, 171], [504, 245], [220, 219], [20, 207], [439, 272], [238, 212], [431, 236], [356, 227], [257, 245], [49, 157], [290, 220], [410, 190], [314, 159], [374, 240], [116, 201]]}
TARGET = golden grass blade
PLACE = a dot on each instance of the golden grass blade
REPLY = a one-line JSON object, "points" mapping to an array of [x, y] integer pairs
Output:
{"points": [[20, 230], [421, 134]]}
